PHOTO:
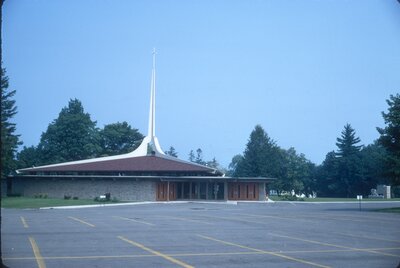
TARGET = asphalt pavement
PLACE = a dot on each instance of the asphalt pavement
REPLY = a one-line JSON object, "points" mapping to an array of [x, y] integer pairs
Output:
{"points": [[281, 234]]}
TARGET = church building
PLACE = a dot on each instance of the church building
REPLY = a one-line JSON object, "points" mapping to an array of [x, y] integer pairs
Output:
{"points": [[145, 174]]}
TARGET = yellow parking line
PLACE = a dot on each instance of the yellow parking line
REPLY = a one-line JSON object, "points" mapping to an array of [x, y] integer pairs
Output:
{"points": [[263, 251], [333, 245], [24, 222], [169, 258], [128, 219], [36, 252], [81, 221]]}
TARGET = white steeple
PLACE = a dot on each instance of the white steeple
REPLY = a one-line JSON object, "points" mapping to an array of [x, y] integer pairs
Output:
{"points": [[151, 130], [150, 144]]}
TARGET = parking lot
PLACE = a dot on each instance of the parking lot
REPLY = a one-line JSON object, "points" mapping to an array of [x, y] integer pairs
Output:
{"points": [[280, 234]]}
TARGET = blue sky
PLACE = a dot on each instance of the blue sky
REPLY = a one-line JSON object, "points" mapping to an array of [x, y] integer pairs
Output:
{"points": [[300, 69]]}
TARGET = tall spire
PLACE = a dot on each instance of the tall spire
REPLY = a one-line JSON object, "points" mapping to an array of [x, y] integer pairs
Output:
{"points": [[152, 120], [150, 144]]}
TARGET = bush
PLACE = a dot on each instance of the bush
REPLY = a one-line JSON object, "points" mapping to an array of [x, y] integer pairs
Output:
{"points": [[75, 198], [67, 197]]}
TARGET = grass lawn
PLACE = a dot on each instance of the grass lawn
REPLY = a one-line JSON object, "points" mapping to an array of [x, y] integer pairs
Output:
{"points": [[328, 199], [28, 202]]}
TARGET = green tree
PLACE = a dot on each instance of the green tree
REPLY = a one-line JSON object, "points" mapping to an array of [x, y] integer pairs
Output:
{"points": [[297, 173], [191, 156], [262, 157], [9, 140], [172, 152], [213, 163], [72, 136], [199, 157], [390, 139], [349, 181], [373, 163], [326, 175], [28, 157], [234, 164], [119, 138], [347, 142]]}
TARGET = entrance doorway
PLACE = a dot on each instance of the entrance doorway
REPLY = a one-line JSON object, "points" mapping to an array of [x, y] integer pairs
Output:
{"points": [[193, 190], [243, 191], [166, 191]]}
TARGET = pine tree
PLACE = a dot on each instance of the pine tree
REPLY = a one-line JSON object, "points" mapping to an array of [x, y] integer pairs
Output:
{"points": [[350, 180], [171, 152], [262, 157], [213, 163], [347, 142], [199, 157], [191, 156], [9, 140]]}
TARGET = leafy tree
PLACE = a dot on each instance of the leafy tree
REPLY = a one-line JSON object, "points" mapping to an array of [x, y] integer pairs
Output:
{"points": [[390, 139], [172, 152], [28, 157], [9, 140], [234, 164], [297, 175], [262, 157], [326, 175], [119, 138], [72, 136], [373, 163]]}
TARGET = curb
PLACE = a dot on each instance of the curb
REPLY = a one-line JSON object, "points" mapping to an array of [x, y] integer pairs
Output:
{"points": [[143, 203]]}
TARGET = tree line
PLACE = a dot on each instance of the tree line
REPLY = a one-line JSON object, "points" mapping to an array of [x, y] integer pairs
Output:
{"points": [[75, 136], [349, 170]]}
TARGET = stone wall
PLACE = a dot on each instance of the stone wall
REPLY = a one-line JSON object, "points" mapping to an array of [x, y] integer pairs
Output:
{"points": [[121, 189], [261, 191]]}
